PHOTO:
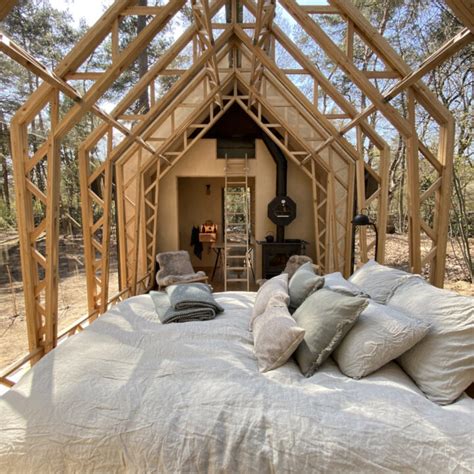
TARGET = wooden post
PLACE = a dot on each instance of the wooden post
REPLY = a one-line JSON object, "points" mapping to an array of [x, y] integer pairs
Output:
{"points": [[24, 209], [413, 191], [314, 190], [443, 202], [52, 230], [360, 190], [383, 202], [89, 252], [348, 225]]}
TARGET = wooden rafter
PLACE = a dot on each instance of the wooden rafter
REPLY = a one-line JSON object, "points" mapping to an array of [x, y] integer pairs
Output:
{"points": [[464, 11], [73, 60], [343, 62], [265, 14], [443, 163], [323, 125], [19, 55], [5, 7], [391, 58], [445, 51], [141, 127], [202, 17], [125, 58]]}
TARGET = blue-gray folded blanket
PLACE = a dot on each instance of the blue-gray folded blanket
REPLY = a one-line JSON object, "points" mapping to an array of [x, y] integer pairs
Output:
{"points": [[189, 302]]}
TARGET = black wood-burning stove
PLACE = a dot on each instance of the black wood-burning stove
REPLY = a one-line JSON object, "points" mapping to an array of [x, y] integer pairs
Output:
{"points": [[276, 254], [281, 211]]}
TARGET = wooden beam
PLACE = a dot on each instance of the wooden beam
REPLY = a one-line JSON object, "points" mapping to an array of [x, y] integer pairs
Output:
{"points": [[443, 201], [141, 11], [325, 84], [320, 9], [165, 101], [18, 54], [381, 74], [84, 76], [445, 51], [316, 118], [74, 59], [464, 11], [142, 84], [413, 190], [126, 57], [24, 58], [52, 232], [343, 62], [390, 57], [5, 7], [25, 222], [160, 65]]}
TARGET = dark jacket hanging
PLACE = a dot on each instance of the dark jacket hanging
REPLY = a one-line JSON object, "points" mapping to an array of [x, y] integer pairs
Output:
{"points": [[198, 247]]}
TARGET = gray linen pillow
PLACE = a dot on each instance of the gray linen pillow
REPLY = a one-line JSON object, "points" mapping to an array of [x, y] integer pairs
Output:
{"points": [[336, 282], [276, 336], [277, 286], [378, 281], [326, 316], [380, 335], [442, 363], [295, 262], [303, 283]]}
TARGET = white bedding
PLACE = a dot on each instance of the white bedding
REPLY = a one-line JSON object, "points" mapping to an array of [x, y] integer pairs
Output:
{"points": [[131, 395]]}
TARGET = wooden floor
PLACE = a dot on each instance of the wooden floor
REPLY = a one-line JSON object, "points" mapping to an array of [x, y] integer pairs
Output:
{"points": [[218, 282]]}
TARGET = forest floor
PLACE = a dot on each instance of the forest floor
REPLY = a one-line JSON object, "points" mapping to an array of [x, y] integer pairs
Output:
{"points": [[73, 296]]}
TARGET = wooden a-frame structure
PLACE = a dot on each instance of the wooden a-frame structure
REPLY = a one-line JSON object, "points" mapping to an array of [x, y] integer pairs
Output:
{"points": [[231, 50]]}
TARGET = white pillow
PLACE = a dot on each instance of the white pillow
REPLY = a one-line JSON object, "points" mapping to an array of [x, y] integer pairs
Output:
{"points": [[380, 335], [378, 281], [276, 335], [441, 364], [336, 282], [277, 286]]}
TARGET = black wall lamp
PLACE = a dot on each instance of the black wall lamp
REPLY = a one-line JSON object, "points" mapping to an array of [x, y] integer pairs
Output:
{"points": [[363, 220]]}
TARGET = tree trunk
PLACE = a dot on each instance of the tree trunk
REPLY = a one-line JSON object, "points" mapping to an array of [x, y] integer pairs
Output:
{"points": [[144, 104], [5, 187]]}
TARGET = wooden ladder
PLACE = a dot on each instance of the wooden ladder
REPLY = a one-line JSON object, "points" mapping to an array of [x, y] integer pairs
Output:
{"points": [[236, 222]]}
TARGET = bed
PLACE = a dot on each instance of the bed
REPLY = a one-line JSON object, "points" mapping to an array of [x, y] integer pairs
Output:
{"points": [[129, 394]]}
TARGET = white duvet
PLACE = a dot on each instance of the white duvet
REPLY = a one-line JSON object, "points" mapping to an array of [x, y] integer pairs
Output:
{"points": [[131, 395]]}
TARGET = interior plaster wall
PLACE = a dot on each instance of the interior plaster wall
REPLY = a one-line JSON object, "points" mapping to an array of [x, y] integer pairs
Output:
{"points": [[201, 162], [195, 206]]}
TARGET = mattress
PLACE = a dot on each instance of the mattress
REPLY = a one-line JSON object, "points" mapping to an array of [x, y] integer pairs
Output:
{"points": [[131, 395]]}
